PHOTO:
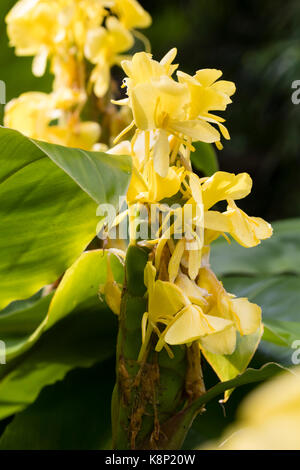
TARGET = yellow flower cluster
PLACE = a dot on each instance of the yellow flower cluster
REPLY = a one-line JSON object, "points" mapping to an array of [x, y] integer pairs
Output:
{"points": [[67, 34], [186, 302], [175, 112]]}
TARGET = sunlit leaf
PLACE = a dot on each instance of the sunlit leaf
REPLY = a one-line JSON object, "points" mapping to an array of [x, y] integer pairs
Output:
{"points": [[46, 218]]}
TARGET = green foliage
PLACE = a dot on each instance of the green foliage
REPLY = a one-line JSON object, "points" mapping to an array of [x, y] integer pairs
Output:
{"points": [[74, 326], [204, 159], [47, 214], [71, 414]]}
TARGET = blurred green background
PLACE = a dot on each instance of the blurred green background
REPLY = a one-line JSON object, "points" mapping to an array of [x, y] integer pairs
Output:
{"points": [[257, 45]]}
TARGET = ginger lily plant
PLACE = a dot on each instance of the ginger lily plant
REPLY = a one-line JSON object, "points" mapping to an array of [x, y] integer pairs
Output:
{"points": [[173, 312]]}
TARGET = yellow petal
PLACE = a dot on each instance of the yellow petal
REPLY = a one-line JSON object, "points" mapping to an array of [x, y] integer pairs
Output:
{"points": [[39, 63], [208, 76], [194, 265], [137, 186], [247, 230], [188, 327], [197, 130], [149, 277], [217, 221], [190, 288], [161, 151], [100, 76], [175, 260], [223, 342], [169, 57], [161, 188], [132, 14], [143, 101], [224, 86], [247, 315], [120, 39], [223, 185], [166, 301], [195, 187]]}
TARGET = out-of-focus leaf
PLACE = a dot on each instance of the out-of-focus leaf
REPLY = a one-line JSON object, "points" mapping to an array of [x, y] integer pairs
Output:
{"points": [[279, 254], [72, 414], [279, 297], [80, 340], [204, 158], [89, 335], [17, 327], [183, 420], [283, 333], [46, 219], [21, 329]]}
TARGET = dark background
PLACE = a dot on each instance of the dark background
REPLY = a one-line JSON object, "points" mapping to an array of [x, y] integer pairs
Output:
{"points": [[257, 45]]}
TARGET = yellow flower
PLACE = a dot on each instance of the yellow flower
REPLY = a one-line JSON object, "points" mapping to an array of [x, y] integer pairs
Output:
{"points": [[103, 46], [245, 315], [131, 14], [208, 94], [111, 290], [33, 29], [183, 320], [223, 186], [171, 108], [32, 114], [247, 231], [83, 135]]}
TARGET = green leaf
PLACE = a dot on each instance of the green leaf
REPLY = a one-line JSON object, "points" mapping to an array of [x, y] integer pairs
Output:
{"points": [[17, 327], [104, 177], [71, 414], [283, 333], [46, 219], [183, 420], [78, 330], [279, 254], [204, 158], [21, 329], [279, 297]]}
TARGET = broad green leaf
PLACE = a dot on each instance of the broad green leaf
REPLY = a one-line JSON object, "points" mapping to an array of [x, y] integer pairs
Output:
{"points": [[279, 254], [78, 330], [283, 333], [72, 414], [80, 340], [16, 328], [182, 421], [46, 219], [204, 158], [279, 297], [102, 177], [21, 329]]}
